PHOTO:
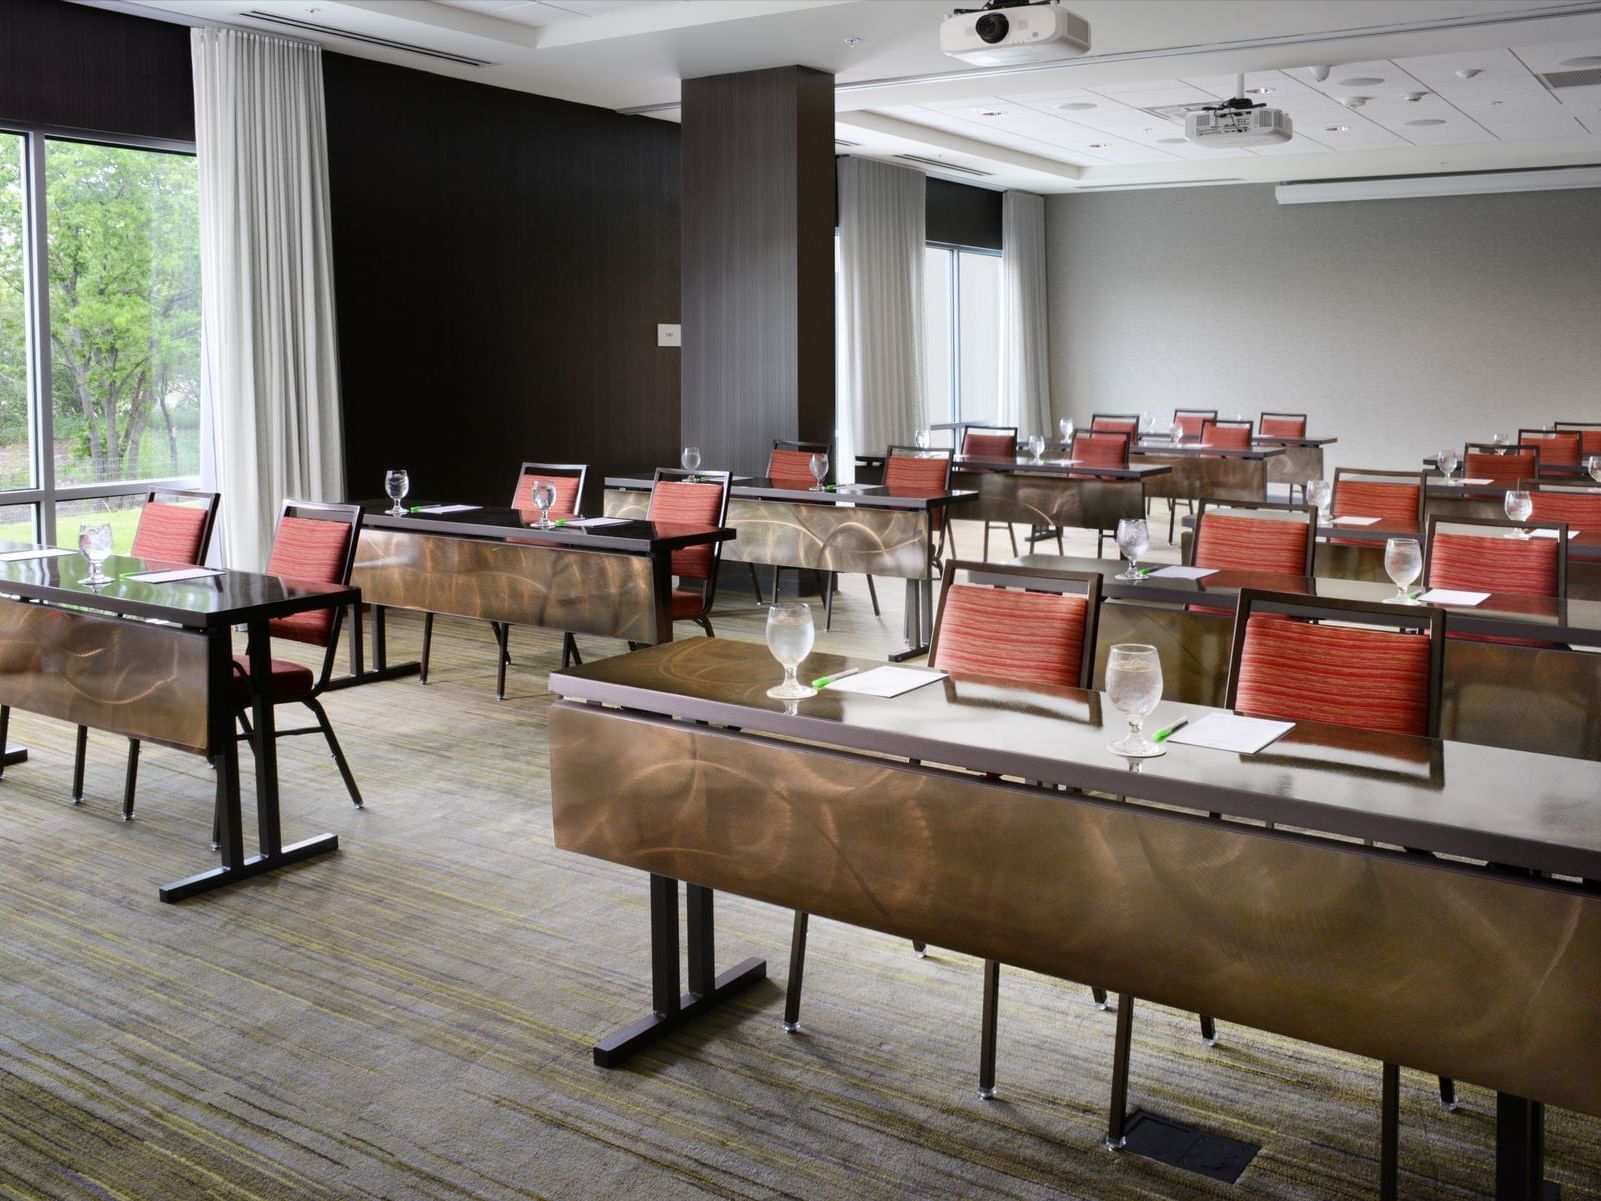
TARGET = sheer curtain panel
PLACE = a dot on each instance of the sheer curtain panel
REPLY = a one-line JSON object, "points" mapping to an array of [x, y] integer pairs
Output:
{"points": [[1025, 389], [882, 225], [269, 355]]}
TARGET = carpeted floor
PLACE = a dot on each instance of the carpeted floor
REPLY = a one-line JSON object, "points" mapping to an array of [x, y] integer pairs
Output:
{"points": [[411, 1018]]}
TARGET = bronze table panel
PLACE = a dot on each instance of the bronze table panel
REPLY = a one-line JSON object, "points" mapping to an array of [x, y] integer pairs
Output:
{"points": [[1195, 476], [1053, 500]]}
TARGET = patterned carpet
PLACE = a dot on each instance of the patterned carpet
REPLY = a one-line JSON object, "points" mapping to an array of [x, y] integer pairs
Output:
{"points": [[411, 1018]]}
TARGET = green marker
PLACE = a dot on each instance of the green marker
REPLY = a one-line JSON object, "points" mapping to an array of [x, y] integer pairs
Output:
{"points": [[825, 681], [1164, 735]]}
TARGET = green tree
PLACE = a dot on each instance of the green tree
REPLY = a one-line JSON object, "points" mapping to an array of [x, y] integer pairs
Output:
{"points": [[13, 361]]}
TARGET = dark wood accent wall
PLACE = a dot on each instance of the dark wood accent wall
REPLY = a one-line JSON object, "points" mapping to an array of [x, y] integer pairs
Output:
{"points": [[758, 280], [961, 215], [501, 263], [88, 69]]}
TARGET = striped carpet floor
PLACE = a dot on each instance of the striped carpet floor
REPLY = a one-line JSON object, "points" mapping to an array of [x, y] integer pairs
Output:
{"points": [[411, 1018]]}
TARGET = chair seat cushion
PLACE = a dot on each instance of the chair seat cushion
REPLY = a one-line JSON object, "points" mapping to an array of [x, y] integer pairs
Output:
{"points": [[289, 680], [686, 603]]}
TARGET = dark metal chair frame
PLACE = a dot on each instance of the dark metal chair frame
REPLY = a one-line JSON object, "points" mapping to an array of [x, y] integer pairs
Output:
{"points": [[1260, 417], [1226, 424], [709, 596], [1490, 448], [1101, 535], [967, 432], [1413, 477], [1204, 414], [935, 551], [824, 448], [1495, 523], [1253, 506], [1540, 436]]}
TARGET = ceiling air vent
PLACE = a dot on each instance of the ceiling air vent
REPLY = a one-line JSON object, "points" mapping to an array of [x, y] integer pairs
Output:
{"points": [[1587, 78], [1140, 187], [937, 165], [843, 142], [312, 27]]}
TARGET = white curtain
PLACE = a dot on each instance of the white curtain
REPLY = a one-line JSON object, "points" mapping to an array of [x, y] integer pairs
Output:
{"points": [[882, 225], [1025, 388], [269, 355]]}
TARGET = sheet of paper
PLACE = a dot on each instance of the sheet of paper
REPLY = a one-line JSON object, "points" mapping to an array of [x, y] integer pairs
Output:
{"points": [[446, 508], [44, 552], [1230, 732], [1453, 596], [1552, 533], [1475, 481], [1186, 573], [173, 575], [886, 681], [589, 522], [1356, 520]]}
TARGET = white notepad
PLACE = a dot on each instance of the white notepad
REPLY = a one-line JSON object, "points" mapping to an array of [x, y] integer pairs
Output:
{"points": [[446, 508], [43, 552], [1475, 481], [1453, 596], [886, 681], [1356, 521], [587, 522], [1186, 573], [1231, 732], [1553, 533], [173, 575]]}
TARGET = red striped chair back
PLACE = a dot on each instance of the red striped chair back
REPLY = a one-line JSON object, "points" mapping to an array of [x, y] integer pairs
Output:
{"points": [[1100, 449], [680, 501], [1191, 420], [1579, 507], [791, 468], [1040, 629], [315, 543], [1559, 448], [1481, 462], [174, 532], [1589, 436], [1115, 423], [566, 478], [1388, 495], [918, 470], [1481, 555], [1368, 678], [1282, 425], [1276, 539], [1229, 436], [989, 444]]}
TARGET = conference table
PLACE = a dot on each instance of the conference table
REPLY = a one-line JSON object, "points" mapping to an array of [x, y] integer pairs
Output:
{"points": [[612, 579], [1302, 459], [68, 651], [1543, 697], [862, 528], [1222, 473], [1034, 846]]}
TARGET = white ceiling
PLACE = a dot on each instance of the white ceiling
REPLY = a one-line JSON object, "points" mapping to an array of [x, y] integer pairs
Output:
{"points": [[1415, 86]]}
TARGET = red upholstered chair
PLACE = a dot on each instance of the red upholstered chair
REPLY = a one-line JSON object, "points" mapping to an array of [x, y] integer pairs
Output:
{"points": [[1190, 421], [789, 465], [1484, 555], [1558, 448], [568, 481], [918, 471], [1100, 448], [1589, 435], [1391, 496], [1025, 626], [1226, 435], [697, 498], [1282, 425], [1116, 423], [991, 442], [175, 526], [1579, 507], [1483, 461], [1272, 538]]}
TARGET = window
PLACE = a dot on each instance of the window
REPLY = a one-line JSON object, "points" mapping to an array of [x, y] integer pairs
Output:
{"points": [[99, 246], [961, 333]]}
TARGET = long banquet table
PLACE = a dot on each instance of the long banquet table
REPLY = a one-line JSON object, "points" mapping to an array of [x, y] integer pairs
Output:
{"points": [[673, 761], [1220, 472], [167, 679]]}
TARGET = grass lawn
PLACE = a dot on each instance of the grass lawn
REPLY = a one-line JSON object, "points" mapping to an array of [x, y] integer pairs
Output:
{"points": [[123, 523]]}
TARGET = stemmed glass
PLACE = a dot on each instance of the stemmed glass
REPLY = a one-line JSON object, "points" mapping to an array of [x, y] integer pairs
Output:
{"points": [[1593, 466], [689, 458], [921, 439], [1065, 428], [1499, 441], [1318, 494], [1518, 506], [1446, 460], [1176, 432], [94, 541], [544, 497], [397, 483], [1036, 447], [819, 466], [1147, 422], [1133, 539], [1134, 685], [1403, 563], [789, 636]]}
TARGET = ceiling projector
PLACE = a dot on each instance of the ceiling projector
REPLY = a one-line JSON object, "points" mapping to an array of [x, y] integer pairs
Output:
{"points": [[1237, 122], [1006, 32]]}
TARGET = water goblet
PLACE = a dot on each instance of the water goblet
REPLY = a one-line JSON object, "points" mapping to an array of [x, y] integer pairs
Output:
{"points": [[819, 466], [1446, 460], [1593, 466], [789, 636], [689, 458], [1036, 447], [1147, 422], [1518, 506], [1175, 432], [922, 439], [1134, 686], [397, 483], [544, 497], [1065, 428], [1403, 563], [1133, 539], [1318, 495], [94, 541]]}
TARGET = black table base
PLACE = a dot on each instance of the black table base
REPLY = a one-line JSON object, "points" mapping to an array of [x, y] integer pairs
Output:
{"points": [[258, 865]]}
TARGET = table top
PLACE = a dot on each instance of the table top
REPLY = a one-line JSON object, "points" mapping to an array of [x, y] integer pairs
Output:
{"points": [[861, 496], [1502, 615], [1277, 440], [210, 602], [1025, 465], [1540, 812], [1189, 449], [629, 537]]}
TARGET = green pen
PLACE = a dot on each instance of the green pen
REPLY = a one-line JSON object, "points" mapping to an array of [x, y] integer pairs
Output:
{"points": [[1164, 735], [825, 681]]}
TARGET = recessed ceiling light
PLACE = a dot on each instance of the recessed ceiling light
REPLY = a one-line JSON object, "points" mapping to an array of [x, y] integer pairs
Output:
{"points": [[1336, 129], [853, 41], [992, 112], [1414, 97], [1468, 72], [1257, 91], [1361, 81], [1100, 145], [1428, 121], [1076, 106], [1171, 141], [1584, 60]]}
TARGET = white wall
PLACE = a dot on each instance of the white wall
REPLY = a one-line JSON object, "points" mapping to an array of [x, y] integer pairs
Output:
{"points": [[1396, 325]]}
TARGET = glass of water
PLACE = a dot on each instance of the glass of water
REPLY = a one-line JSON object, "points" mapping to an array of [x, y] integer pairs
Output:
{"points": [[819, 466], [94, 541], [1518, 506], [1147, 422], [790, 635], [1133, 539], [1036, 447], [1403, 563], [397, 483], [1318, 495], [544, 497], [1175, 432], [689, 458], [1065, 428], [1446, 460], [1593, 466], [1134, 685], [922, 438]]}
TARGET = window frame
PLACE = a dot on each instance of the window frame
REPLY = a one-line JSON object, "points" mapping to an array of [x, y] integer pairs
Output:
{"points": [[956, 416], [44, 495]]}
